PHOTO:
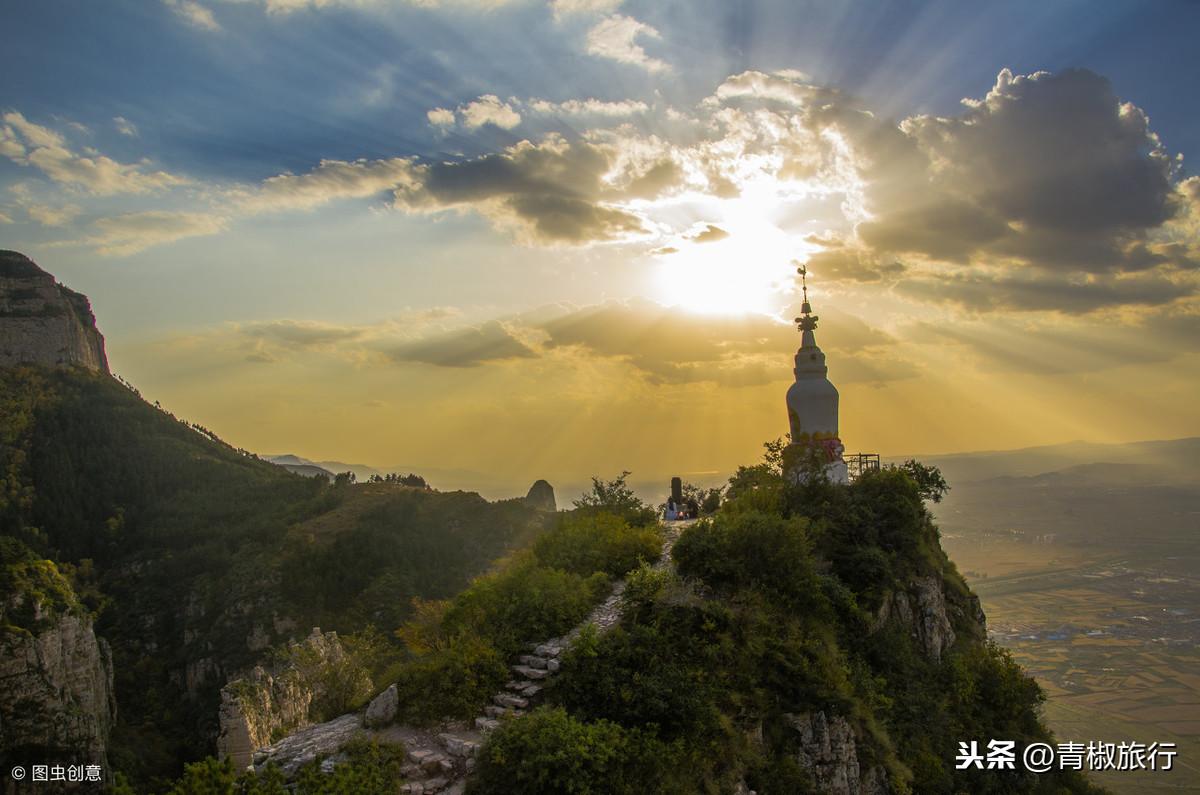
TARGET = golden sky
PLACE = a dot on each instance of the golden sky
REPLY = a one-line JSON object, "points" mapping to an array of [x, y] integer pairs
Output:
{"points": [[584, 262]]}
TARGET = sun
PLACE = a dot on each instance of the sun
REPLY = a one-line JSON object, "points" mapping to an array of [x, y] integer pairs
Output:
{"points": [[748, 269]]}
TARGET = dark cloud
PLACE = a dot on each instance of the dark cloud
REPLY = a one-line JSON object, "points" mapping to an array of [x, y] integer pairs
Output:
{"points": [[470, 347], [1030, 290], [853, 265], [1053, 169], [1051, 180], [557, 191]]}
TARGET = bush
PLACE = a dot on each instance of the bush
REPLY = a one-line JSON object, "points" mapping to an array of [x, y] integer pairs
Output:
{"points": [[603, 542], [371, 768], [548, 752], [755, 550], [524, 603], [452, 682], [637, 678]]}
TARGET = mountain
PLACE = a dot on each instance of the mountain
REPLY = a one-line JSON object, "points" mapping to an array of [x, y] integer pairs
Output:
{"points": [[140, 552], [166, 596], [1165, 461], [44, 322]]}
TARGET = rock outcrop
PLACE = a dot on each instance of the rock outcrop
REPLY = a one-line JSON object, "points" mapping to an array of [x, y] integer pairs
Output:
{"points": [[923, 611], [56, 684], [43, 322], [829, 752], [258, 707], [541, 497]]}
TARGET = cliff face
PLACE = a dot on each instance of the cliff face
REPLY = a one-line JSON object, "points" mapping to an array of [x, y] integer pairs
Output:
{"points": [[930, 617], [42, 321], [56, 676], [828, 750], [262, 704]]}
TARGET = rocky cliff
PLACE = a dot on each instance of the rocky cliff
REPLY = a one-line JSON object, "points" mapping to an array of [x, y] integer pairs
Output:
{"points": [[44, 322], [828, 750], [541, 496], [56, 676], [259, 707]]}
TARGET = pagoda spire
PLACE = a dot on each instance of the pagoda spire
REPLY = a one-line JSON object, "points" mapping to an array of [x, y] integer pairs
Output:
{"points": [[807, 322]]}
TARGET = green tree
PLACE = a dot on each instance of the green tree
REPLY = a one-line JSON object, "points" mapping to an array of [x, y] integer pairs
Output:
{"points": [[615, 497], [930, 483]]}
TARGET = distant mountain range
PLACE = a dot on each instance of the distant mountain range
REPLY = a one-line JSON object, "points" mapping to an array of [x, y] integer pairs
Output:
{"points": [[1163, 461]]}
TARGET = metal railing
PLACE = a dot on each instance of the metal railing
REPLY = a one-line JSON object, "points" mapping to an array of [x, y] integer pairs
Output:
{"points": [[858, 463]]}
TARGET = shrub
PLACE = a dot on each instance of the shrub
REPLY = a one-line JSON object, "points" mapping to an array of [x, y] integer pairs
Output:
{"points": [[756, 550], [524, 603], [452, 682], [603, 542], [548, 752]]}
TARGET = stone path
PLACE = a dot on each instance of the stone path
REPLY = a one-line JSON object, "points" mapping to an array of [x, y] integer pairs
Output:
{"points": [[438, 762]]}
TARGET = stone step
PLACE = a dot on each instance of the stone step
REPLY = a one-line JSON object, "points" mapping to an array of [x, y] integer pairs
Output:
{"points": [[428, 787], [429, 761], [486, 724], [495, 712], [530, 673], [459, 747], [548, 649], [533, 661], [518, 685], [530, 691], [505, 700]]}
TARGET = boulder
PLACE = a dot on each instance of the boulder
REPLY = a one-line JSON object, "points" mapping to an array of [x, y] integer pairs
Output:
{"points": [[382, 709]]}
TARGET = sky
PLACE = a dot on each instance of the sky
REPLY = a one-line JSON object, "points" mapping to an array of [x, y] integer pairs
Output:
{"points": [[517, 239]]}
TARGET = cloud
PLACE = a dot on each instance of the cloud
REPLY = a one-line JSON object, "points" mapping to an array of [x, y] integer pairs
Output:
{"points": [[125, 126], [331, 180], [284, 7], [470, 347], [127, 234], [4, 219], [30, 144], [52, 216], [1052, 171], [669, 346], [788, 87], [1041, 290], [551, 192], [589, 107], [566, 8], [441, 117], [302, 333], [615, 37], [194, 14], [488, 109], [852, 264], [1015, 344], [709, 233]]}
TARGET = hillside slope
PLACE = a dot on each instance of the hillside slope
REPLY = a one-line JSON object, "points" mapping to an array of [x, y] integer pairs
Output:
{"points": [[197, 559]]}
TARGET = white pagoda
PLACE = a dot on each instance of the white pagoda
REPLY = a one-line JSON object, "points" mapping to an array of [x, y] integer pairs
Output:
{"points": [[812, 403]]}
